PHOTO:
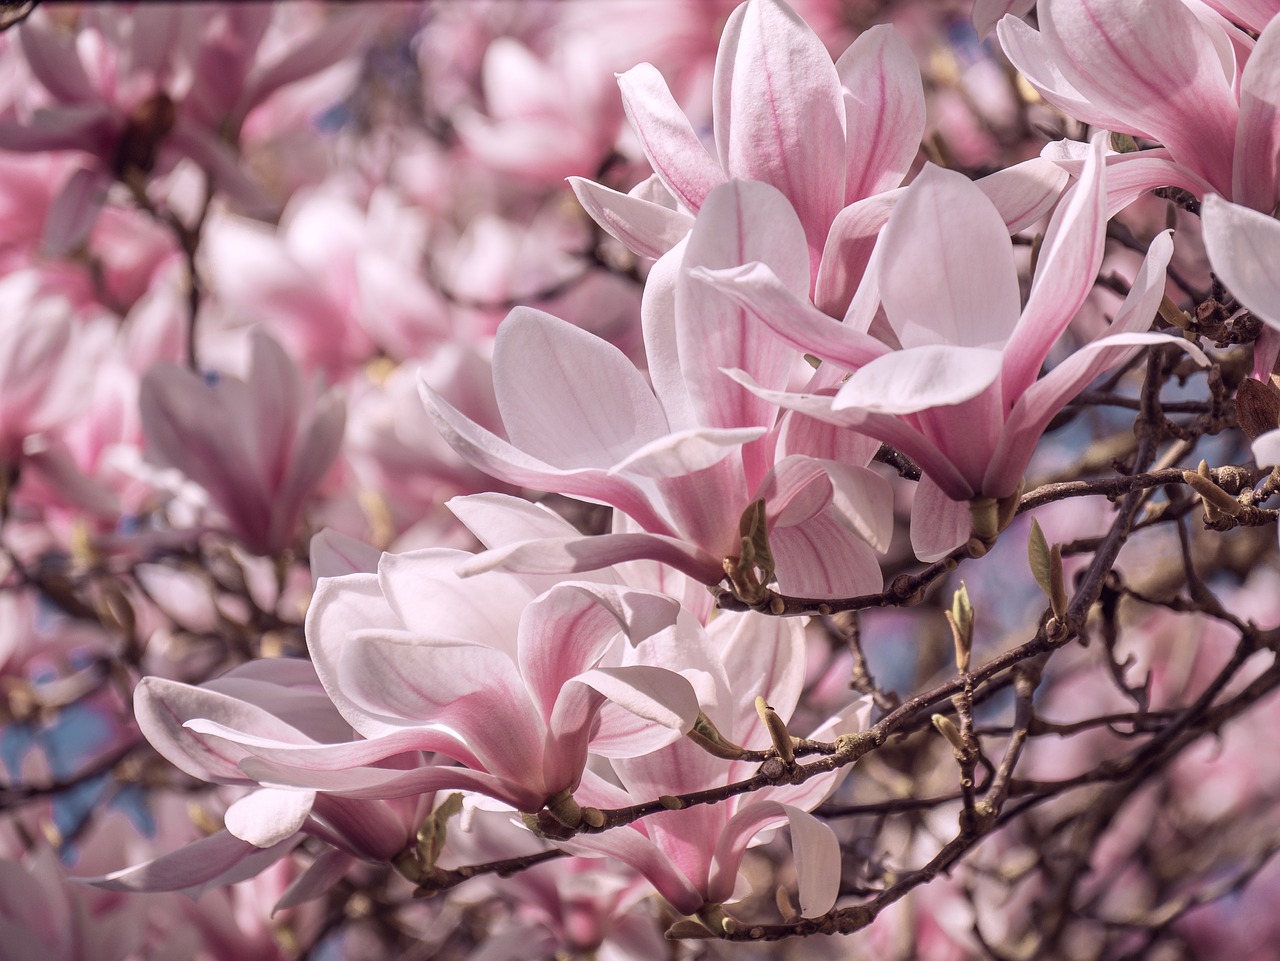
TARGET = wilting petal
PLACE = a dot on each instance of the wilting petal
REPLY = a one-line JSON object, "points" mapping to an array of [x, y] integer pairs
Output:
{"points": [[644, 228], [946, 271], [668, 140], [884, 111], [1244, 249]]}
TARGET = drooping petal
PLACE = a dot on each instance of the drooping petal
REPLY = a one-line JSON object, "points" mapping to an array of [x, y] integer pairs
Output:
{"points": [[884, 111], [219, 859], [565, 555], [779, 112], [946, 272], [635, 850], [668, 140], [1244, 249], [817, 853]]}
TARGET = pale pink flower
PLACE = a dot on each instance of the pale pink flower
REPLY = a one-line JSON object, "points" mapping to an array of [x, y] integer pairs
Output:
{"points": [[255, 445], [685, 457], [1162, 70], [961, 395]]}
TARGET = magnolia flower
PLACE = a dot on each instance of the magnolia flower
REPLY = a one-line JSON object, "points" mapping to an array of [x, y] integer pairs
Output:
{"points": [[961, 395], [692, 856], [512, 686], [1163, 70], [250, 443], [834, 139], [689, 456]]}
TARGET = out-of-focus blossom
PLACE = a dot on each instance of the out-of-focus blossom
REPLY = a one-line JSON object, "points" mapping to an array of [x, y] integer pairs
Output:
{"points": [[257, 446]]}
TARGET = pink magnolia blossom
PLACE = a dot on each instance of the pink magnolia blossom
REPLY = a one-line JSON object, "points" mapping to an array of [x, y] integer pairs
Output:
{"points": [[1163, 70], [692, 856], [685, 458], [961, 395], [253, 444], [513, 687], [835, 139]]}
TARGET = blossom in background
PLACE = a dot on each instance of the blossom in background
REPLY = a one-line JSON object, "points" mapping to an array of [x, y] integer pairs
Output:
{"points": [[255, 445]]}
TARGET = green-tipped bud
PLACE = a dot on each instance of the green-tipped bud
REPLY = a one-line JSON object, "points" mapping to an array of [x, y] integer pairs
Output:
{"points": [[960, 617]]}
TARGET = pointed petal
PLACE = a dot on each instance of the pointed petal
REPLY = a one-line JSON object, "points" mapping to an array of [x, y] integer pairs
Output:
{"points": [[987, 13], [884, 111], [1244, 249], [644, 228], [1065, 272], [756, 288], [75, 210], [779, 112], [686, 452], [208, 863], [568, 397], [946, 272], [668, 140]]}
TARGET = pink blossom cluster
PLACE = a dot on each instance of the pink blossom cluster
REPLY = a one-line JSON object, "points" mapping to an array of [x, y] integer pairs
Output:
{"points": [[475, 474]]}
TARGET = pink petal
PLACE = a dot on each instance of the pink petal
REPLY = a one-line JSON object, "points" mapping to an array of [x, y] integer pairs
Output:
{"points": [[1070, 255], [268, 816], [823, 558], [756, 288], [208, 863], [1129, 175], [1256, 181], [644, 228], [906, 381], [51, 54], [1024, 192], [322, 874], [668, 140], [739, 222], [635, 850], [333, 554], [779, 112], [987, 13], [590, 553], [939, 524], [884, 111], [340, 36], [686, 452], [848, 249], [1244, 249], [75, 210], [946, 272], [1157, 67]]}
